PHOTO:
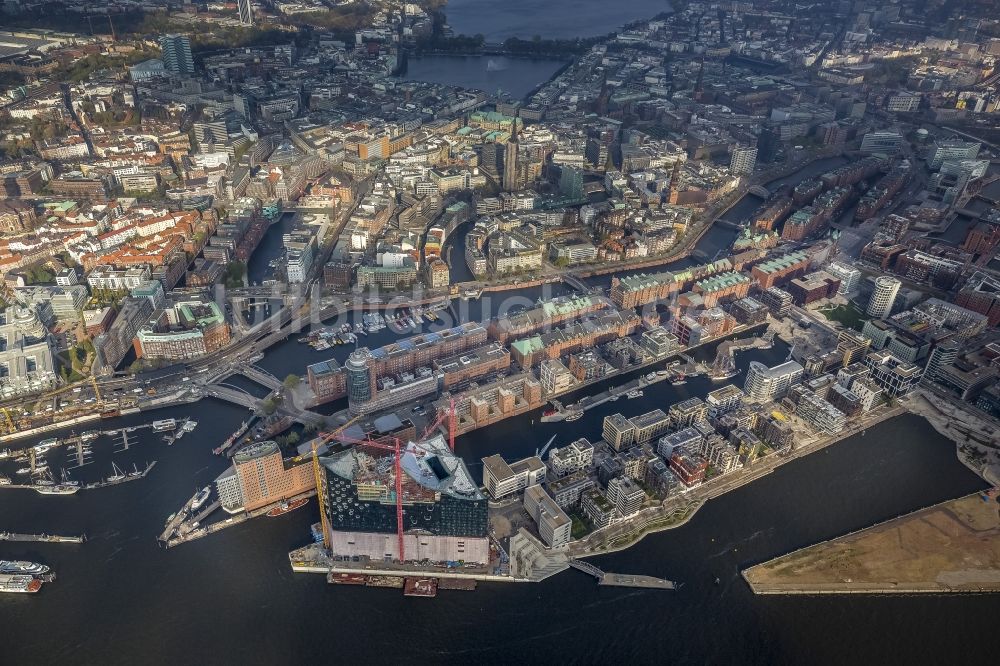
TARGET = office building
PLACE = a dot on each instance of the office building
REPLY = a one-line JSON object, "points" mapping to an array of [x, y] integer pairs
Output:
{"points": [[743, 160], [893, 376], [618, 431], [177, 58], [942, 356], [886, 142], [574, 457], [626, 495], [568, 490], [596, 508], [952, 149], [764, 384], [27, 363], [687, 413], [883, 297], [850, 277], [188, 329], [503, 480], [554, 526]]}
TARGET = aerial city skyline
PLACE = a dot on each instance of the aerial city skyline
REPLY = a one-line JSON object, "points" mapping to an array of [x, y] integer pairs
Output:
{"points": [[555, 313]]}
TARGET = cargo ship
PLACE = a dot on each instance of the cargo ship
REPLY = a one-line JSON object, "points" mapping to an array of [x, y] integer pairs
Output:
{"points": [[22, 568], [19, 584], [287, 507]]}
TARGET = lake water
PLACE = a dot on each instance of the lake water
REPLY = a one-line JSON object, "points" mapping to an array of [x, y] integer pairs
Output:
{"points": [[514, 76], [556, 19]]}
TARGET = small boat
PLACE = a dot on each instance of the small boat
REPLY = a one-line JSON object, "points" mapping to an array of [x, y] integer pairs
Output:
{"points": [[118, 475], [678, 382], [189, 426], [200, 498], [287, 507], [135, 473], [651, 376], [4, 481], [634, 393], [574, 416]]}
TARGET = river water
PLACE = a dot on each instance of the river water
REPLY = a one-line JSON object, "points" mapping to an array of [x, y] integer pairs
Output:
{"points": [[232, 598]]}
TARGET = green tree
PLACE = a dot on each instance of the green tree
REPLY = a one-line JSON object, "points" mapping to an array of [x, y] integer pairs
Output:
{"points": [[291, 381]]}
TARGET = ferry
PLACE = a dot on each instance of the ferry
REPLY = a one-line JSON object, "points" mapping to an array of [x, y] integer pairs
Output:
{"points": [[574, 416], [19, 584], [164, 425], [58, 489], [200, 498], [287, 507], [22, 568]]}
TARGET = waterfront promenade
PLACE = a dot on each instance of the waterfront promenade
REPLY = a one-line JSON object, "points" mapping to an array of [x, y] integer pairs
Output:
{"points": [[677, 510]]}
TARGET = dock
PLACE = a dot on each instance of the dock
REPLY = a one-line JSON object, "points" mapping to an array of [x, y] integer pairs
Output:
{"points": [[118, 482], [622, 580], [41, 538]]}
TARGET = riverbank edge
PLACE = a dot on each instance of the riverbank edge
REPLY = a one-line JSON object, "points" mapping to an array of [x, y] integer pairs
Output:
{"points": [[926, 587], [753, 474]]}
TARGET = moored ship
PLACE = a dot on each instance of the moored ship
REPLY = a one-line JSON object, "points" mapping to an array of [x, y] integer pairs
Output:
{"points": [[287, 507], [58, 489], [22, 568], [164, 425], [19, 584], [199, 499]]}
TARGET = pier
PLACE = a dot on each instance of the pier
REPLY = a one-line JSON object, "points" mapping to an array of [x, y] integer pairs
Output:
{"points": [[622, 580], [41, 538], [128, 477]]}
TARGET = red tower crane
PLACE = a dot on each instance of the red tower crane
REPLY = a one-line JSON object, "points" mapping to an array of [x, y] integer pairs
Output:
{"points": [[398, 471]]}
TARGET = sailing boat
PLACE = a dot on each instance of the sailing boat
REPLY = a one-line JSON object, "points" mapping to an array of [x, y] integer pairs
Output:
{"points": [[118, 475]]}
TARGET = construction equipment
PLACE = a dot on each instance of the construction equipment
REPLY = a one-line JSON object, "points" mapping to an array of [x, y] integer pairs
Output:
{"points": [[450, 415]]}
